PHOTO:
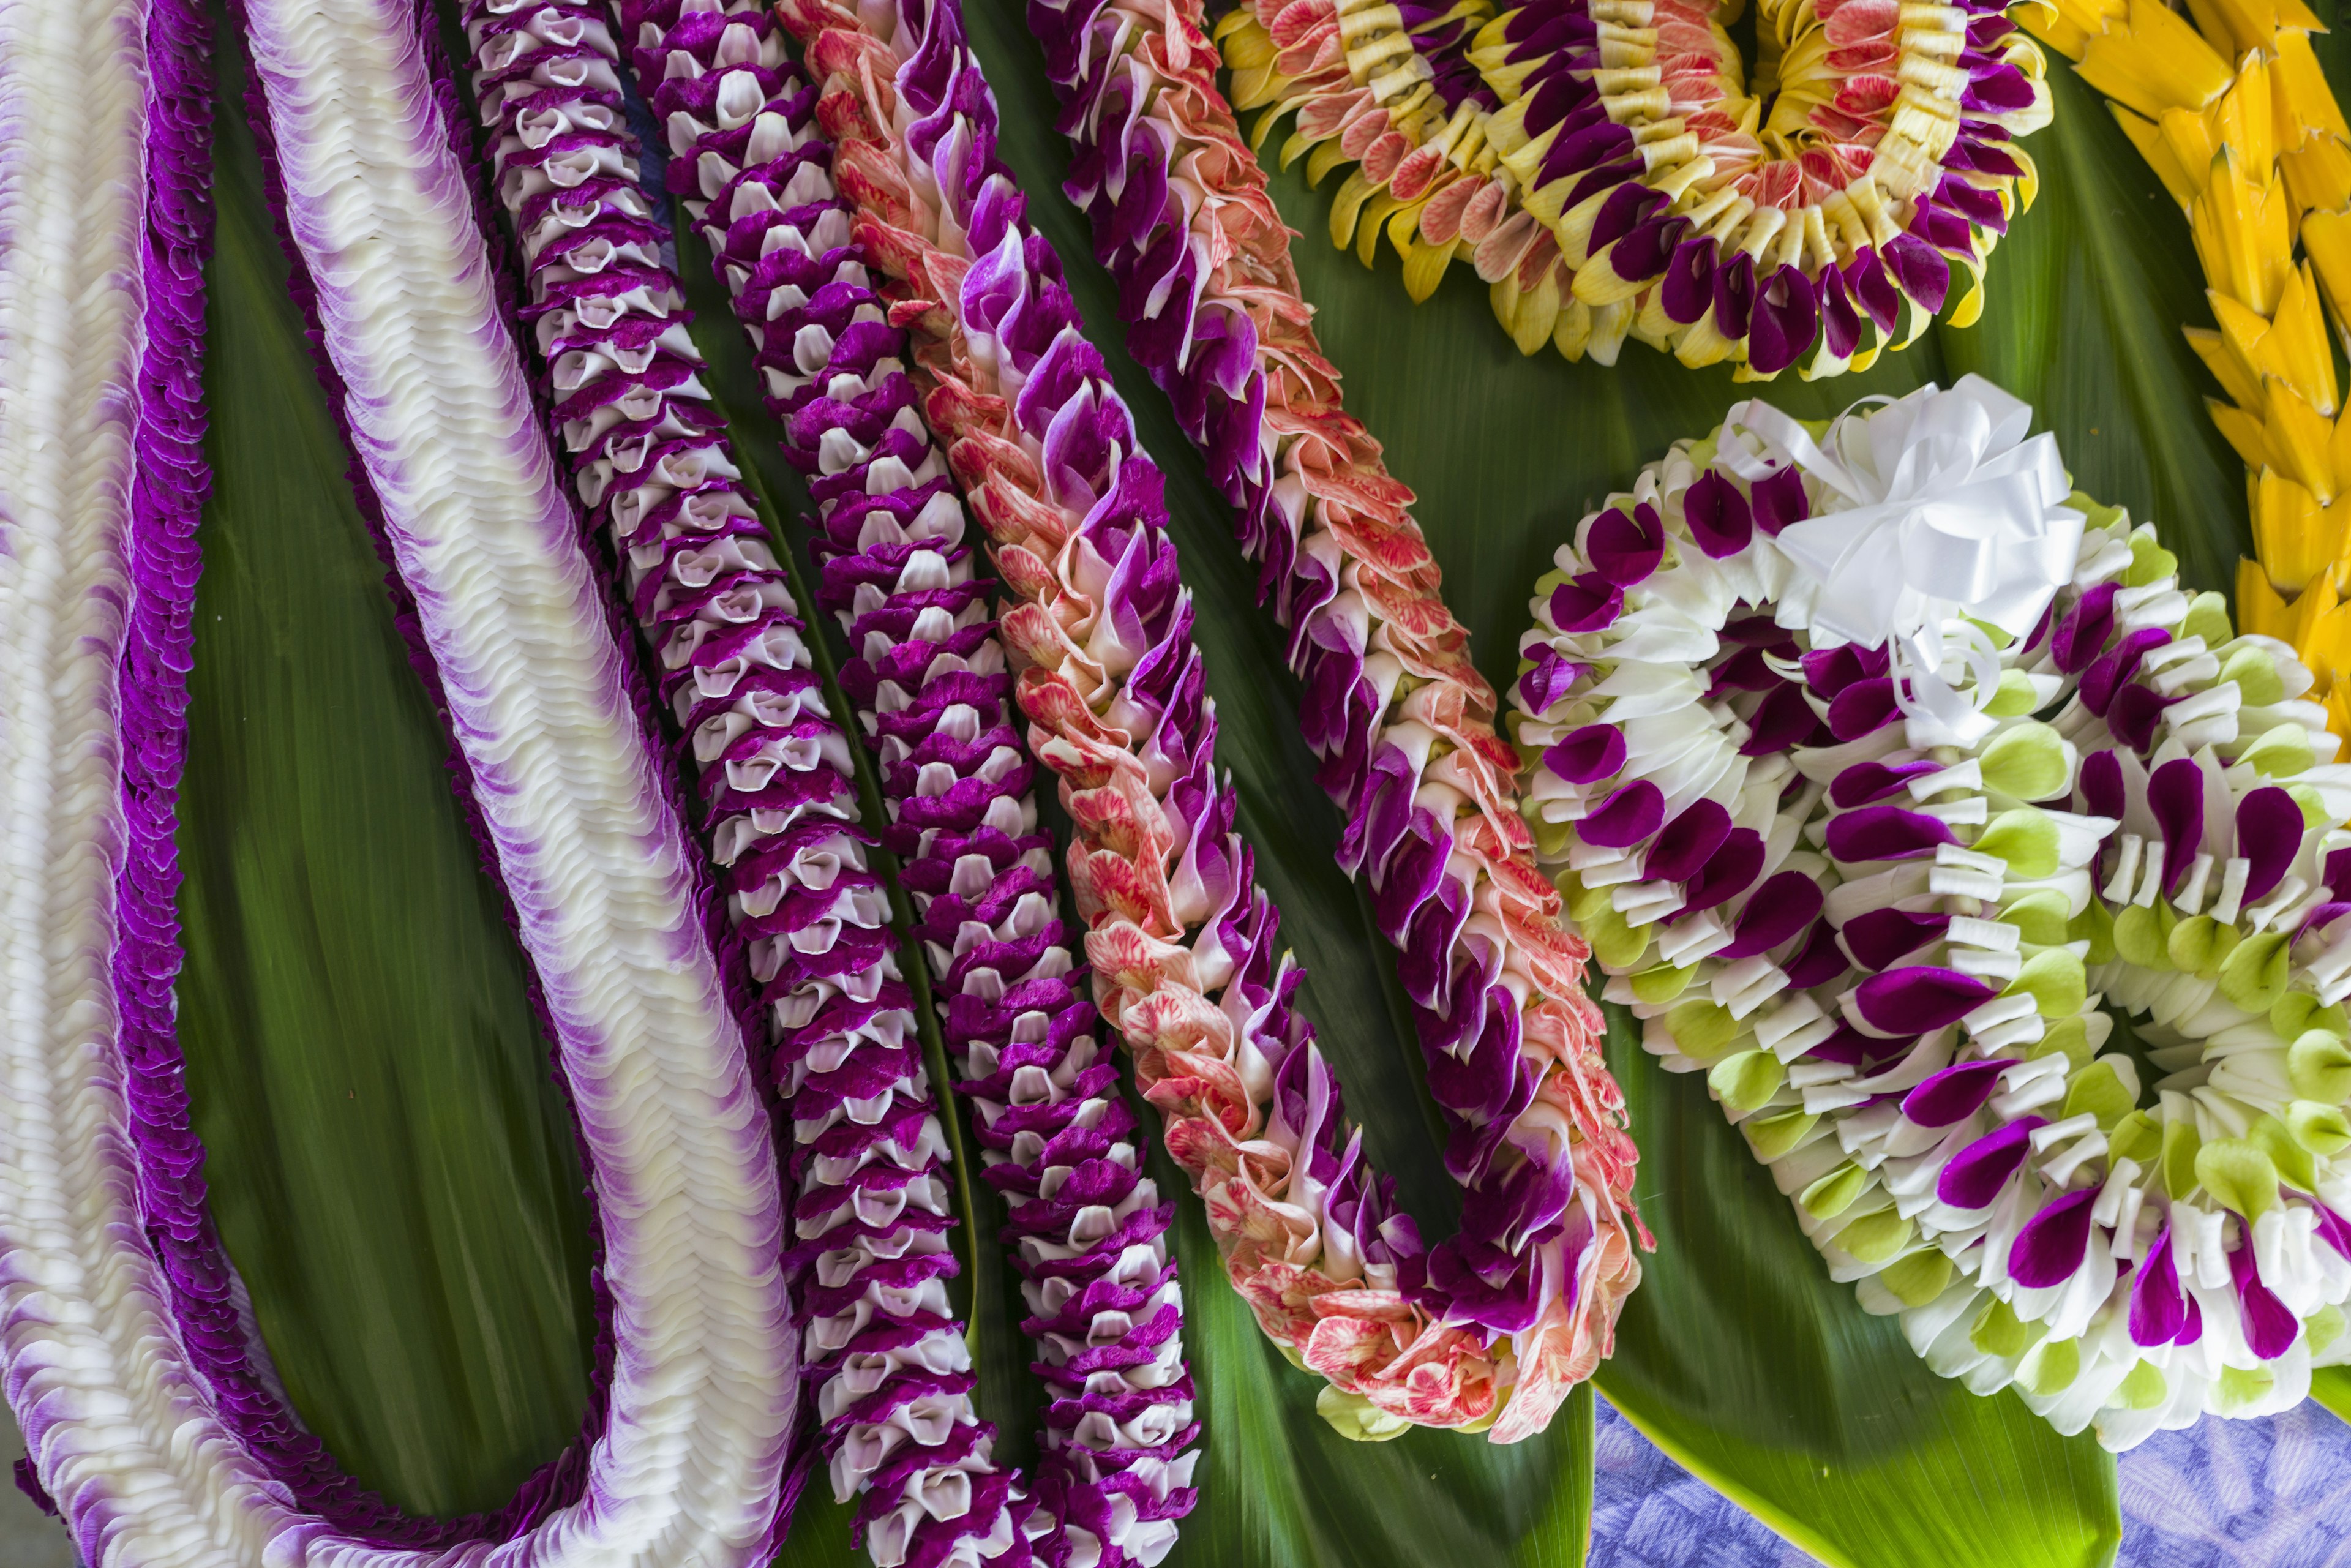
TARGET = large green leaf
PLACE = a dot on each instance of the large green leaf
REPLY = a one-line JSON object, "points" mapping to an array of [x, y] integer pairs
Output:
{"points": [[393, 1173], [391, 1165], [1736, 1354]]}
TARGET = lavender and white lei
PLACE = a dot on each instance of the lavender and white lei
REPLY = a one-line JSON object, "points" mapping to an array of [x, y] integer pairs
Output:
{"points": [[887, 1360], [110, 1361]]}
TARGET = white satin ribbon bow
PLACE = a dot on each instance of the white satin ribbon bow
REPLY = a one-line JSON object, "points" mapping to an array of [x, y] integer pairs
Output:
{"points": [[1938, 507]]}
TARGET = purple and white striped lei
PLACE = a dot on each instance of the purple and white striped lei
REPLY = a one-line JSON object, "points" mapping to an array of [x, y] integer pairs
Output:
{"points": [[892, 1373], [151, 1457]]}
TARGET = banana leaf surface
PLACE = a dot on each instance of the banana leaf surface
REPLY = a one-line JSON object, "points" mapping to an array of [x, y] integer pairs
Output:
{"points": [[392, 1165]]}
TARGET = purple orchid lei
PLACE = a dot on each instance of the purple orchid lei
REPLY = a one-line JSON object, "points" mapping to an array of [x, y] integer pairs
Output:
{"points": [[1486, 1331], [886, 1359], [1888, 866]]}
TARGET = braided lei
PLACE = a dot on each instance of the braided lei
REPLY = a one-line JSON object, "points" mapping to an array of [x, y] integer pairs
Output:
{"points": [[1907, 919], [1488, 1330], [884, 1353], [1606, 169]]}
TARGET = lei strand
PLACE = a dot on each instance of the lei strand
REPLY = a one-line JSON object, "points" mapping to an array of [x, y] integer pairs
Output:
{"points": [[198, 1468], [1603, 167], [640, 1010], [931, 682], [1116, 692], [2233, 114], [1396, 710], [1888, 876], [889, 1364]]}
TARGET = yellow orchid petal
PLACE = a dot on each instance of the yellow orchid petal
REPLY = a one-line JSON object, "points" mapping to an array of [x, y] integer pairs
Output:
{"points": [[2234, 26], [2304, 85], [2239, 224], [2261, 611], [2243, 431], [2238, 374], [2326, 236], [2153, 61], [2318, 177], [2298, 538], [2158, 150], [2300, 439], [2297, 348]]}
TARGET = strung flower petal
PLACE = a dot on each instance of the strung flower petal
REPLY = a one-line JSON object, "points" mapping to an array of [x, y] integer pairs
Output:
{"points": [[1876, 937], [1727, 874], [2102, 785], [1718, 516], [1548, 680], [1627, 817], [1885, 833], [2271, 1327], [1781, 907], [1783, 720], [1864, 782], [1818, 961], [2053, 1243], [1863, 708], [2269, 835], [2159, 1309], [1686, 841], [2083, 634], [1586, 604], [1978, 1172], [2175, 794], [1779, 499], [1918, 999], [1625, 549], [1955, 1093], [1588, 755]]}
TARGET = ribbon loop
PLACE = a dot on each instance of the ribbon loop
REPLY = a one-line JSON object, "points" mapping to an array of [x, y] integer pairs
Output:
{"points": [[1931, 511]]}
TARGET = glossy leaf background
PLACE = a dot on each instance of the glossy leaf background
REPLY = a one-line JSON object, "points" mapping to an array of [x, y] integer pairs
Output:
{"points": [[392, 1168]]}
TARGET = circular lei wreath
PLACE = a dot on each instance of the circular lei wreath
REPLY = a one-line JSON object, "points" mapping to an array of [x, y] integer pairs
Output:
{"points": [[1995, 884]]}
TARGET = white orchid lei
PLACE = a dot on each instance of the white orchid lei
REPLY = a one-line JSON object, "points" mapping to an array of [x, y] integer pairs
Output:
{"points": [[1887, 774]]}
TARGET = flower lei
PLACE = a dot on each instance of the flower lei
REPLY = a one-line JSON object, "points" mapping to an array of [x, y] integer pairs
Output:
{"points": [[884, 1353], [1875, 762], [147, 1406], [1604, 168], [1486, 1330]]}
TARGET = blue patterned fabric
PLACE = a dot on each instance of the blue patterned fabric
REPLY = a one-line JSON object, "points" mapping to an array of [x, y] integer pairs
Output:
{"points": [[2223, 1494]]}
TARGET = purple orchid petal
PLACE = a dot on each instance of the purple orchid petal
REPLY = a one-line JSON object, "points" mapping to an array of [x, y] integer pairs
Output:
{"points": [[1686, 841], [1955, 1093], [1921, 1000], [2269, 835], [2134, 716], [2176, 797], [1625, 549], [1782, 719], [1978, 1173], [1778, 500], [1590, 603], [2053, 1243], [2110, 673], [1780, 907], [1732, 870], [1689, 288], [1884, 833], [2158, 1310], [2333, 1228], [1786, 320], [1718, 517], [1876, 937], [2271, 1326], [2102, 785], [1628, 816], [1864, 782], [1863, 708], [1553, 675], [2082, 635], [1818, 961], [1589, 755]]}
